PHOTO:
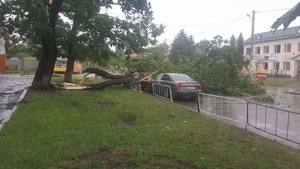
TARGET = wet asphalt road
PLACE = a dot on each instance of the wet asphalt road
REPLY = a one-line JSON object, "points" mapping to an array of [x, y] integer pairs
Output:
{"points": [[11, 88]]}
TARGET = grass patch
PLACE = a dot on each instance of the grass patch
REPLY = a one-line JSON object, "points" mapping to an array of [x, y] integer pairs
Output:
{"points": [[281, 81], [120, 128]]}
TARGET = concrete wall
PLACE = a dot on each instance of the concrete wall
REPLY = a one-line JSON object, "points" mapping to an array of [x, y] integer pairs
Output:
{"points": [[29, 65], [19, 64]]}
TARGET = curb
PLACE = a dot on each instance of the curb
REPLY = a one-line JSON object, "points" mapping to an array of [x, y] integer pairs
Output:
{"points": [[7, 118]]}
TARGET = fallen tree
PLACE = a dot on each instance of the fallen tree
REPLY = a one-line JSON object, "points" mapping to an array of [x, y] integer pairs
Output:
{"points": [[113, 79]]}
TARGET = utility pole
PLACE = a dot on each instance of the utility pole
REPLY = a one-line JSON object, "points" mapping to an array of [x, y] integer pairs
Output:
{"points": [[252, 35]]}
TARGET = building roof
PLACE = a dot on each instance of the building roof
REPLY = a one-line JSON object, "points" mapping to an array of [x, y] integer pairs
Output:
{"points": [[293, 32]]}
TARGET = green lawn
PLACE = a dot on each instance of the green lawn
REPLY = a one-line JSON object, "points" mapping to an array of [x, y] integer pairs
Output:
{"points": [[281, 81], [121, 128]]}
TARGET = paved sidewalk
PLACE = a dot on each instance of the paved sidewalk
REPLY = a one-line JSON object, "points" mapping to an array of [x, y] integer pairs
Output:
{"points": [[12, 88]]}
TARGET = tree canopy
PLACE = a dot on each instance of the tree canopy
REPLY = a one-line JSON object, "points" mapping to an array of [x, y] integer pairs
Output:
{"points": [[182, 48], [89, 33]]}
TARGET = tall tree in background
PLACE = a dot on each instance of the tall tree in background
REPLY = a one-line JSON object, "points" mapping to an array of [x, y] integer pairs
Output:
{"points": [[233, 41], [83, 36], [218, 42], [182, 48], [203, 45], [240, 44]]}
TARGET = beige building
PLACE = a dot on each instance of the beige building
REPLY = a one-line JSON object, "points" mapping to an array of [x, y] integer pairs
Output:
{"points": [[278, 52]]}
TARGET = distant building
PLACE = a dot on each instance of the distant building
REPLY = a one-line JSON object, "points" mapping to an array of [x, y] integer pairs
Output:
{"points": [[278, 52], [61, 66]]}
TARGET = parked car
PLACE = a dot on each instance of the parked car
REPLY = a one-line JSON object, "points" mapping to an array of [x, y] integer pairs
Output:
{"points": [[182, 85]]}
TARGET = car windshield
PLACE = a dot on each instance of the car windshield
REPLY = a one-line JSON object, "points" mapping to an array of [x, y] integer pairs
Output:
{"points": [[181, 77]]}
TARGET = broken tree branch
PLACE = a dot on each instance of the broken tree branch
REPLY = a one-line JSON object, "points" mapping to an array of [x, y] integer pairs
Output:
{"points": [[103, 73]]}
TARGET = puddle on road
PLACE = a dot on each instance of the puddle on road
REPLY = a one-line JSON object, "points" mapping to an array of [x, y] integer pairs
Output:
{"points": [[286, 97]]}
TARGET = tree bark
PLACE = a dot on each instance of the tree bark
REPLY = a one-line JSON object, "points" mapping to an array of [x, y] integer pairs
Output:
{"points": [[70, 63], [115, 79], [44, 72], [71, 49], [103, 73], [45, 68]]}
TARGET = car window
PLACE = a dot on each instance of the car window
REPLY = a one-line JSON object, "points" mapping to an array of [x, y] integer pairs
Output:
{"points": [[166, 78], [158, 77], [182, 77]]}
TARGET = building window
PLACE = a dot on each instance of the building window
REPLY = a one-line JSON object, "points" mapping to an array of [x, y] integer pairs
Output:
{"points": [[257, 50], [266, 50], [275, 65], [286, 65], [248, 51], [266, 65], [277, 49], [287, 47]]}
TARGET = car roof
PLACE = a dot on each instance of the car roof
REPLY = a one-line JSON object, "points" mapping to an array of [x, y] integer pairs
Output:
{"points": [[176, 74], [179, 76]]}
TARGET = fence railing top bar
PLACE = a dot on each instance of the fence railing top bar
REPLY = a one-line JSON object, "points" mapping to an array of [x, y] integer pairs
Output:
{"points": [[223, 97], [279, 109]]}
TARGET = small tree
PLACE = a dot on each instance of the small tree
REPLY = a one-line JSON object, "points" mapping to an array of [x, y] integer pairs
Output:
{"points": [[240, 44], [233, 42]]}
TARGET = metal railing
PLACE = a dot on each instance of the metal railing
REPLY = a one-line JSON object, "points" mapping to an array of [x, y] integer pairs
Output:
{"points": [[278, 122], [223, 107], [162, 91]]}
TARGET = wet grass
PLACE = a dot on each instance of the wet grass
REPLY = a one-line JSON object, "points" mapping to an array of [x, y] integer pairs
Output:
{"points": [[281, 81], [120, 128]]}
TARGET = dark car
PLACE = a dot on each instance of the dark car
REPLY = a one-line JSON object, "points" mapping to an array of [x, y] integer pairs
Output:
{"points": [[182, 85]]}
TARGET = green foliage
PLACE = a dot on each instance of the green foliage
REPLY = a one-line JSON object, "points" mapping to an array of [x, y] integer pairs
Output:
{"points": [[264, 99], [233, 41], [218, 70], [22, 51], [182, 48], [153, 59], [82, 29], [240, 44]]}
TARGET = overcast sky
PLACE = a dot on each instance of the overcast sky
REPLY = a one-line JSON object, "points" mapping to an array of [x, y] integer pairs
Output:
{"points": [[205, 19]]}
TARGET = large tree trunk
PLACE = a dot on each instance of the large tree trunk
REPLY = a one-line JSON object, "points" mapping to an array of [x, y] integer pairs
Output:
{"points": [[70, 63], [44, 72]]}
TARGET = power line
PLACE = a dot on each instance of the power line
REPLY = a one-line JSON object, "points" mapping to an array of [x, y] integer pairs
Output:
{"points": [[234, 21], [205, 24], [221, 26], [275, 10]]}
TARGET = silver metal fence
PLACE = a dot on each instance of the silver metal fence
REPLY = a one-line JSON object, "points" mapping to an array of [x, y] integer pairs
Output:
{"points": [[223, 107], [278, 122], [162, 91]]}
